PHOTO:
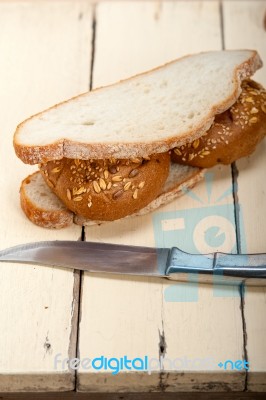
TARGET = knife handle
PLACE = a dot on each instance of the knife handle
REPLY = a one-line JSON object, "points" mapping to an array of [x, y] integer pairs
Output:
{"points": [[220, 268]]}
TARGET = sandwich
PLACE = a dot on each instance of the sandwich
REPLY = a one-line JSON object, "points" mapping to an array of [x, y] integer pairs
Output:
{"points": [[124, 150]]}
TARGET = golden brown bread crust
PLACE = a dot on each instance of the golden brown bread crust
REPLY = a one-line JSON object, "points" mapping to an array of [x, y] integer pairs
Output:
{"points": [[234, 133], [75, 149], [107, 190], [52, 219]]}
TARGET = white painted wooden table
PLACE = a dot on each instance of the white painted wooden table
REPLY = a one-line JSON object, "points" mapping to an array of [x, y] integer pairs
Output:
{"points": [[50, 51]]}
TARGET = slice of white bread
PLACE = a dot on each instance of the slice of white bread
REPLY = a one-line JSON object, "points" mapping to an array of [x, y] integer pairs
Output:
{"points": [[146, 114], [43, 207]]}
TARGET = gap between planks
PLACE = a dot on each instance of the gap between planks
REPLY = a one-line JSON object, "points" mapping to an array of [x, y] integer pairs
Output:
{"points": [[78, 275], [234, 174]]}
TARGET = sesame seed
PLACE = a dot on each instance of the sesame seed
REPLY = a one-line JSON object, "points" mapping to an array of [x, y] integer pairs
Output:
{"points": [[141, 185]]}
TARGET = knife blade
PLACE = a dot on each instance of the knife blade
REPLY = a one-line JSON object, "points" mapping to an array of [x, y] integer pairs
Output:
{"points": [[142, 261]]}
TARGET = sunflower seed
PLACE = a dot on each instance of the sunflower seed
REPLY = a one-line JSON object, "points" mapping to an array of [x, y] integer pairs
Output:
{"points": [[117, 194], [112, 169], [133, 173]]}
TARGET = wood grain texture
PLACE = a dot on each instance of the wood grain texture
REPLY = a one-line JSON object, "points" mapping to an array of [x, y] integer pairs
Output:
{"points": [[133, 396], [135, 316], [245, 27], [45, 58]]}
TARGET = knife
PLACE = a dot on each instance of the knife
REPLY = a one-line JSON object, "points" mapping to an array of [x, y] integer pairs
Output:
{"points": [[171, 263]]}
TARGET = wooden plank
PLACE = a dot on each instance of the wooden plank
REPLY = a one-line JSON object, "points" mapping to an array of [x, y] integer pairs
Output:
{"points": [[45, 58], [132, 396], [136, 318], [244, 24]]}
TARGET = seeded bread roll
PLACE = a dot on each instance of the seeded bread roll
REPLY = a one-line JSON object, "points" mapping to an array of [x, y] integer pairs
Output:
{"points": [[234, 133], [107, 189]]}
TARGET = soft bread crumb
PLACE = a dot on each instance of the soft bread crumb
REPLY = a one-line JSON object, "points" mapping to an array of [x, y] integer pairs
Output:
{"points": [[147, 114], [41, 205]]}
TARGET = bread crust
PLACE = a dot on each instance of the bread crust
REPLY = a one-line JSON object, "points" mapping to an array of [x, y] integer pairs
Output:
{"points": [[52, 219], [58, 219], [107, 189], [75, 149], [170, 192], [234, 133]]}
